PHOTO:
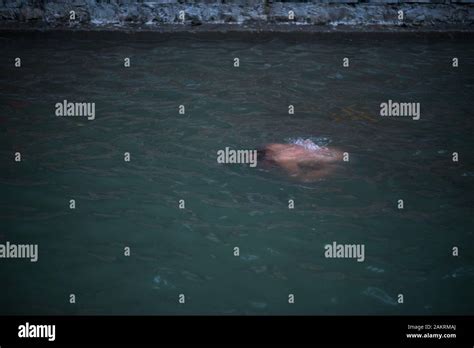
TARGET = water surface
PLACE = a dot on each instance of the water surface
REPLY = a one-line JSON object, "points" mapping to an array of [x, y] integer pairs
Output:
{"points": [[173, 157]]}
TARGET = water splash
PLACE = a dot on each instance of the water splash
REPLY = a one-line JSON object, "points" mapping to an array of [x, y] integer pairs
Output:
{"points": [[311, 143]]}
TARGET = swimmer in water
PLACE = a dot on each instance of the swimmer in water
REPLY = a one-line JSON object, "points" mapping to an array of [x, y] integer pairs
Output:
{"points": [[302, 160]]}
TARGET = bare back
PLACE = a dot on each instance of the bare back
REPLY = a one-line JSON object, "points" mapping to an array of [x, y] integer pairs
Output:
{"points": [[304, 164]]}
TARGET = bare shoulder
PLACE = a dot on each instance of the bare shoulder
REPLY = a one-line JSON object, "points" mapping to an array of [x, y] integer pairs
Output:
{"points": [[276, 147], [336, 153], [329, 155]]}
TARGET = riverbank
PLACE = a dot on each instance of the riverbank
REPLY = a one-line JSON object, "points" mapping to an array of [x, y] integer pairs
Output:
{"points": [[229, 30], [257, 14]]}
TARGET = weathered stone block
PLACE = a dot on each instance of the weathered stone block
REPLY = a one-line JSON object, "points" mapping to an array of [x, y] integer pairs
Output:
{"points": [[8, 14], [28, 13], [13, 3], [383, 2], [417, 1], [342, 1]]}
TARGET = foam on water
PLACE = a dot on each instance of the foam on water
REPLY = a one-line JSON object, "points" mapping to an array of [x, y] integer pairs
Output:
{"points": [[312, 144]]}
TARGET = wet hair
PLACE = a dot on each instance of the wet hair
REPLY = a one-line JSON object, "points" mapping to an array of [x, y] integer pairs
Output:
{"points": [[262, 154]]}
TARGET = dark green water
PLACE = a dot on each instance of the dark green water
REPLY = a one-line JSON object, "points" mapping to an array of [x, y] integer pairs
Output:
{"points": [[173, 157]]}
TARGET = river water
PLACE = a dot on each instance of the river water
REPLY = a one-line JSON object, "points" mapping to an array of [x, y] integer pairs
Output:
{"points": [[190, 251]]}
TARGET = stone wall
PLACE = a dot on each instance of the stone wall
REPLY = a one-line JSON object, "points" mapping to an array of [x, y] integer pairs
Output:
{"points": [[150, 14]]}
